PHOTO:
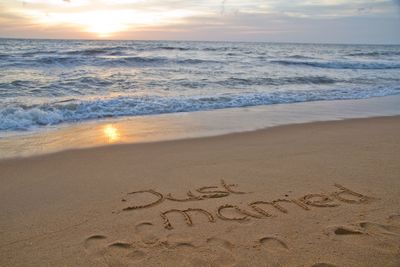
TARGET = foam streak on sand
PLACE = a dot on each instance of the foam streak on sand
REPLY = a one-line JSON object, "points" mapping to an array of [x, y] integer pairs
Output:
{"points": [[316, 194]]}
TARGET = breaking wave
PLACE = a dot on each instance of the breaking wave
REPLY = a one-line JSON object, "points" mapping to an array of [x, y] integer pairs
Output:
{"points": [[25, 117]]}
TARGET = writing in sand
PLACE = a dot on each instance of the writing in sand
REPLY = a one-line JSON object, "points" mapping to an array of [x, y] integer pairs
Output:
{"points": [[255, 209]]}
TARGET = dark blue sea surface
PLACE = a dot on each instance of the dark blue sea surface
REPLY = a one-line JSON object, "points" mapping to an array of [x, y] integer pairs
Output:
{"points": [[49, 82]]}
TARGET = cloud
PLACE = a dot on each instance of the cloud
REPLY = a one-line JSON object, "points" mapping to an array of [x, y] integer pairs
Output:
{"points": [[273, 20]]}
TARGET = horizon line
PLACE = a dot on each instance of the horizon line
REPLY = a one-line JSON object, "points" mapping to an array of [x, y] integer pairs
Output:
{"points": [[187, 40]]}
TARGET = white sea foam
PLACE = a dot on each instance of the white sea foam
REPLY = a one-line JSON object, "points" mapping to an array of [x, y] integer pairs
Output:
{"points": [[28, 117]]}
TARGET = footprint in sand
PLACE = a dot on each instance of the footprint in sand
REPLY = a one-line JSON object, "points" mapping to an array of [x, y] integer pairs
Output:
{"points": [[376, 228], [121, 253], [147, 234], [221, 243], [385, 237], [272, 244], [343, 231], [117, 253], [180, 241], [95, 244], [223, 249], [140, 227]]}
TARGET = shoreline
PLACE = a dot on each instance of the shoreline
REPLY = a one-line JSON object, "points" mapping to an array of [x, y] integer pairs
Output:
{"points": [[177, 126], [303, 194], [116, 146]]}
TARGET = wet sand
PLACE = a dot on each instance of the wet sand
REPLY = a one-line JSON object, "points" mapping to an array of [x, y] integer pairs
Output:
{"points": [[297, 195], [185, 125]]}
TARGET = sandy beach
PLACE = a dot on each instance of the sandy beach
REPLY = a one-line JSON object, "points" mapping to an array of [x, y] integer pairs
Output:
{"points": [[199, 133], [315, 194]]}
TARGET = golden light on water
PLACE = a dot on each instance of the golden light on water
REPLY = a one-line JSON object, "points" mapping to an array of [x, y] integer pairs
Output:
{"points": [[111, 133]]}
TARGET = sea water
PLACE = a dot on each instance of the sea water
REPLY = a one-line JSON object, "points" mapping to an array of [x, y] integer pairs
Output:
{"points": [[53, 82]]}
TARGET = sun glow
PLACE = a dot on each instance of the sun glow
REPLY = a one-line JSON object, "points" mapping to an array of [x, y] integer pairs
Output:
{"points": [[111, 133], [105, 23]]}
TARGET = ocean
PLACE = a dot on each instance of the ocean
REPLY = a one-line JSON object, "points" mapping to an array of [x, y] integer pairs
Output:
{"points": [[55, 82]]}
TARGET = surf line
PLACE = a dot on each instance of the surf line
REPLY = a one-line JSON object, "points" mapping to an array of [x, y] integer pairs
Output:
{"points": [[257, 209]]}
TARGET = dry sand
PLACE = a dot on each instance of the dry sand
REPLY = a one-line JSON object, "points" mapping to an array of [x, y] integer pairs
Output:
{"points": [[74, 208]]}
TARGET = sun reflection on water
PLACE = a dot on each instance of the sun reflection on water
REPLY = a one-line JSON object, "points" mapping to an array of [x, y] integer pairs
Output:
{"points": [[111, 133]]}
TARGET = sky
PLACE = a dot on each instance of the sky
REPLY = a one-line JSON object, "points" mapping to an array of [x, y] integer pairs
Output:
{"points": [[307, 21]]}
